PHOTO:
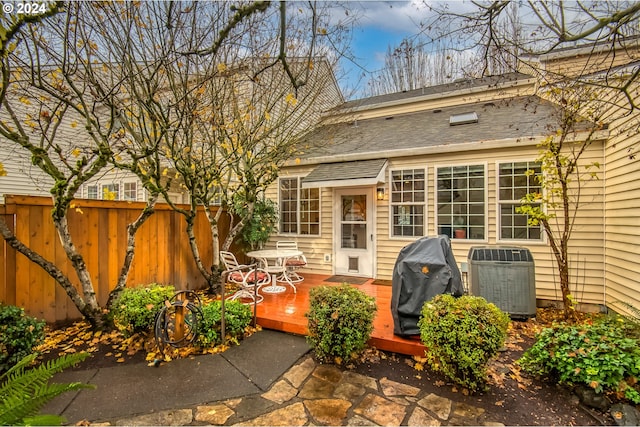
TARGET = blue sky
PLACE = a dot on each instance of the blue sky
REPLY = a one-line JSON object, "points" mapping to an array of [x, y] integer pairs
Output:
{"points": [[382, 24]]}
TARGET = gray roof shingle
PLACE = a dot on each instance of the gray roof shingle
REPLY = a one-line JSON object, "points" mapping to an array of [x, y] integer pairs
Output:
{"points": [[521, 117]]}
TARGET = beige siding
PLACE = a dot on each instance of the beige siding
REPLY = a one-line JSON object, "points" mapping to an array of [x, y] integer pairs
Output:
{"points": [[587, 244], [622, 200], [314, 247]]}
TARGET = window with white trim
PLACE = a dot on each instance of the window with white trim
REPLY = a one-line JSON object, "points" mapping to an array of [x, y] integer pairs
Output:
{"points": [[516, 180], [408, 200], [130, 191], [113, 190], [299, 208], [461, 201]]}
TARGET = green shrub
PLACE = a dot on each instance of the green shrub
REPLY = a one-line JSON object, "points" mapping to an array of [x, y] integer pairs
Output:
{"points": [[135, 309], [461, 336], [340, 322], [19, 335], [237, 317], [25, 391], [600, 355]]}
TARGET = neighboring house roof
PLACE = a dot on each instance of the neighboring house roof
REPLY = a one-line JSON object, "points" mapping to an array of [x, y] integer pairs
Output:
{"points": [[519, 118], [457, 85]]}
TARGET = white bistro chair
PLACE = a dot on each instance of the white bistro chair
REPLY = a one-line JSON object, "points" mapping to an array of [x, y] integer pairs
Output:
{"points": [[249, 279], [293, 263]]}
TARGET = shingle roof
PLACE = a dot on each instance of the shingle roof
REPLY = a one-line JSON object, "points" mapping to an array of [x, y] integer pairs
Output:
{"points": [[433, 90], [362, 170], [520, 117]]}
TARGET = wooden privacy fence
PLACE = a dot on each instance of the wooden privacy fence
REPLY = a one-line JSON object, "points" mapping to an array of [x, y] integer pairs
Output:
{"points": [[99, 230]]}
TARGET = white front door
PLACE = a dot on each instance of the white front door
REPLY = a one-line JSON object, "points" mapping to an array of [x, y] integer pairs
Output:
{"points": [[353, 231]]}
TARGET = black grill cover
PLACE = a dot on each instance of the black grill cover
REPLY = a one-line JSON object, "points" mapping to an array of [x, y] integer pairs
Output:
{"points": [[424, 269]]}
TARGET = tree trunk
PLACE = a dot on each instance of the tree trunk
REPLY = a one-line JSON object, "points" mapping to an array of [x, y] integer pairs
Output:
{"points": [[561, 253], [193, 244], [91, 312], [132, 229]]}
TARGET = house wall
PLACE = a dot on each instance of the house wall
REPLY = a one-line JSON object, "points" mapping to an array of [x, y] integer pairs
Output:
{"points": [[587, 242], [622, 225], [620, 171]]}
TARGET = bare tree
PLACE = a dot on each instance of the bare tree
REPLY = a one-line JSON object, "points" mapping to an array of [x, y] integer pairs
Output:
{"points": [[599, 82], [218, 118], [500, 32], [120, 85]]}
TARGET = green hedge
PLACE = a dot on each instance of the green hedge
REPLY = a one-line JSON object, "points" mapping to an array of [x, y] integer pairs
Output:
{"points": [[19, 335], [340, 322], [461, 336]]}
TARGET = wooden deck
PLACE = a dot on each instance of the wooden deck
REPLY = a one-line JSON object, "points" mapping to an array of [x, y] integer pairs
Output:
{"points": [[285, 312]]}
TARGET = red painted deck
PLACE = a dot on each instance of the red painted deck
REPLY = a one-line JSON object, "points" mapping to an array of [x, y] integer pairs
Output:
{"points": [[285, 312]]}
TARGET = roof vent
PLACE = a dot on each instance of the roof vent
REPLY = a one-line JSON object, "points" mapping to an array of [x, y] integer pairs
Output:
{"points": [[463, 119]]}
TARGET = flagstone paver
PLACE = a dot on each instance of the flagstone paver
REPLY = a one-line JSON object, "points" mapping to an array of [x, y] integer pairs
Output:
{"points": [[420, 417], [315, 388], [213, 414], [328, 411], [281, 392], [381, 411], [393, 388], [300, 372], [440, 406], [292, 415]]}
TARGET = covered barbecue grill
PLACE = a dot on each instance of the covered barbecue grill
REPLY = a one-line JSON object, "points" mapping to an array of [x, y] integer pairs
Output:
{"points": [[423, 269]]}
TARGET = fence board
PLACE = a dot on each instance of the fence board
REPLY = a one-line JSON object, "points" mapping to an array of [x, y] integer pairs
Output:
{"points": [[99, 231]]}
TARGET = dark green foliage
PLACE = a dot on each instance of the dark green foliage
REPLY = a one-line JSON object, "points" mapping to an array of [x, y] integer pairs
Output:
{"points": [[262, 222], [19, 334], [237, 317], [135, 309], [461, 336], [24, 391], [340, 322], [601, 354]]}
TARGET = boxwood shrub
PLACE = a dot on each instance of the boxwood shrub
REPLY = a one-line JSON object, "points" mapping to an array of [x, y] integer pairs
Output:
{"points": [[340, 322], [237, 317], [19, 335], [461, 336], [135, 309]]}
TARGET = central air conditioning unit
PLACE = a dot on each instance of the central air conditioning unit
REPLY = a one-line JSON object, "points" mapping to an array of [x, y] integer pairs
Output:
{"points": [[504, 276]]}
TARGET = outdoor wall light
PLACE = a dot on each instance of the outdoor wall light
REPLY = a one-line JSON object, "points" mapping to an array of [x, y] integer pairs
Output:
{"points": [[380, 193]]}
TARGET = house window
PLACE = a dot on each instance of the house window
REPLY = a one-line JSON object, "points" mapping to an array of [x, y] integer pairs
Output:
{"points": [[516, 180], [92, 192], [461, 201], [408, 202], [299, 208], [130, 191], [111, 192]]}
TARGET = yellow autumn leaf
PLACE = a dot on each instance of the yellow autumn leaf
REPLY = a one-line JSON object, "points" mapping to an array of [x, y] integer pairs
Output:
{"points": [[222, 67], [3, 172], [76, 152], [74, 124], [25, 100], [120, 360], [291, 99]]}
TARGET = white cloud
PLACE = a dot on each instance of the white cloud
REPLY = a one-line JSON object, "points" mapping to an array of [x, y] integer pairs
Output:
{"points": [[394, 16]]}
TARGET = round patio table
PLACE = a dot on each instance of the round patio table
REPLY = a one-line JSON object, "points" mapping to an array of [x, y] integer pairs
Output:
{"points": [[278, 258]]}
